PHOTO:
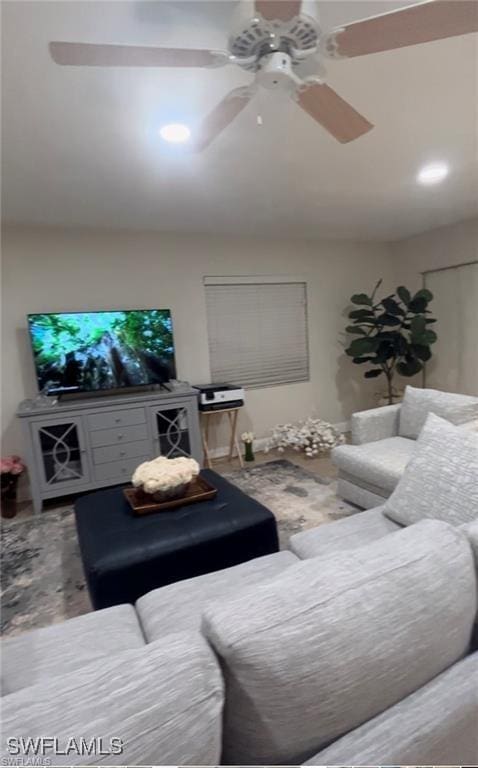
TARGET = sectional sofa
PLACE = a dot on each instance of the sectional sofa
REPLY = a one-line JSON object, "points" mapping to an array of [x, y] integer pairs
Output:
{"points": [[352, 648]]}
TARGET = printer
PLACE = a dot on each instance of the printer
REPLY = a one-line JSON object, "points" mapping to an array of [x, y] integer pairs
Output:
{"points": [[216, 397]]}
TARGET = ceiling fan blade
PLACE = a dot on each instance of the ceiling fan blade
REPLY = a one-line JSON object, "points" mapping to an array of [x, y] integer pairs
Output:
{"points": [[278, 10], [333, 113], [422, 23], [92, 55], [221, 116]]}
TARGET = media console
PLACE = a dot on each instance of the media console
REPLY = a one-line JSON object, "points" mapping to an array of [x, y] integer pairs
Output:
{"points": [[79, 445]]}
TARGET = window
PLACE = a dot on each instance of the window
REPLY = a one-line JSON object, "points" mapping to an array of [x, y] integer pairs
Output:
{"points": [[257, 330]]}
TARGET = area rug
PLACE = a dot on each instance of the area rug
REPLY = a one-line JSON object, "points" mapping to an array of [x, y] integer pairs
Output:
{"points": [[42, 575]]}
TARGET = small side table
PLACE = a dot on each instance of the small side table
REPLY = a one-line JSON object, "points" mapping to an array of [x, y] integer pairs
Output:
{"points": [[232, 414]]}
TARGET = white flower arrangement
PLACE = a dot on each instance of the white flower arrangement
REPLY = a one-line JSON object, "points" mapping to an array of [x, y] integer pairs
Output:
{"points": [[313, 436], [247, 437], [164, 475]]}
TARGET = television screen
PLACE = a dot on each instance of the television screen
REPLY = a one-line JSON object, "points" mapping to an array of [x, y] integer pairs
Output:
{"points": [[90, 351]]}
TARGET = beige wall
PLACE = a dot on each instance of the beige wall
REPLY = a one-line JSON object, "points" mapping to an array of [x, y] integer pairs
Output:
{"points": [[58, 269], [442, 247]]}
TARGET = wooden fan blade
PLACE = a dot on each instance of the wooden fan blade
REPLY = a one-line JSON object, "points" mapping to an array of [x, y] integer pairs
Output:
{"points": [[221, 116], [431, 20], [91, 55], [278, 10], [333, 113]]}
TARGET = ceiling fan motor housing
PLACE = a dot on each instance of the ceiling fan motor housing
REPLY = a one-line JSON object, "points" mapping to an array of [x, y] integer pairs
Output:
{"points": [[254, 37], [275, 72]]}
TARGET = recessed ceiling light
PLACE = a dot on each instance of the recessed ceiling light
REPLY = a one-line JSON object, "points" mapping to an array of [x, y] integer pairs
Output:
{"points": [[433, 173], [175, 132]]}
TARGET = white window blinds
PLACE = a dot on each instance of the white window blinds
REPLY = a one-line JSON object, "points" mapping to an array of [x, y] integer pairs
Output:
{"points": [[257, 331]]}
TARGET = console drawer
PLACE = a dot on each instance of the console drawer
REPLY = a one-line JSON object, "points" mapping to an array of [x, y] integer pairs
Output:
{"points": [[118, 418], [118, 470], [121, 435], [120, 452]]}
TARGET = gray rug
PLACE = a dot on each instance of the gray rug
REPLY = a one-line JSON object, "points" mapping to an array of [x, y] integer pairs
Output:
{"points": [[42, 575]]}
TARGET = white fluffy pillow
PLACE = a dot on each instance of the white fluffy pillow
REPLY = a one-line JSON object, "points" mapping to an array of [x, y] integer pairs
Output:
{"points": [[441, 479]]}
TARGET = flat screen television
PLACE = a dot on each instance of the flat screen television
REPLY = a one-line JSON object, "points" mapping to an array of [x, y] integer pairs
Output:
{"points": [[94, 351]]}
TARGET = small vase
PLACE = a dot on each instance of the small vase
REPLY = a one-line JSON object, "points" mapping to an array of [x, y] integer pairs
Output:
{"points": [[248, 452], [9, 494]]}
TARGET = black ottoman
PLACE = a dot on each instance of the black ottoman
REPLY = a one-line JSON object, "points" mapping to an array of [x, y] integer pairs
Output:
{"points": [[126, 556]]}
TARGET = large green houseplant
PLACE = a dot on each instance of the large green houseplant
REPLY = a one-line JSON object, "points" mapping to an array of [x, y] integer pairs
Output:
{"points": [[393, 334]]}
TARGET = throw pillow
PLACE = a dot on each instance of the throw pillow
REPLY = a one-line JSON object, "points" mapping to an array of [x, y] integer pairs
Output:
{"points": [[418, 403], [441, 479]]}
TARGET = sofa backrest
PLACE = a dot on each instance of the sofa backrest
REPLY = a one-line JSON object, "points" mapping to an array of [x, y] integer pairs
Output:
{"points": [[418, 403], [334, 641]]}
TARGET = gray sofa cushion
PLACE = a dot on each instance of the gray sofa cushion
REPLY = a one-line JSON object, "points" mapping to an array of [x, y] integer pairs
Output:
{"points": [[61, 648], [436, 725], [178, 607], [163, 700], [334, 641], [380, 463], [348, 533], [471, 532], [418, 403], [441, 480]]}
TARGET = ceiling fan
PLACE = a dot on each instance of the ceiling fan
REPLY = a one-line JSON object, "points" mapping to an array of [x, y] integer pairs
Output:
{"points": [[274, 39]]}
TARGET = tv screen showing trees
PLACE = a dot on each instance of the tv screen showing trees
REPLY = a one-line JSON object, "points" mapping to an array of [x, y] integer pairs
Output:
{"points": [[90, 351]]}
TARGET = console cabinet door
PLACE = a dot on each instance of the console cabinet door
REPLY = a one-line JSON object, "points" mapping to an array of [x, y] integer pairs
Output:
{"points": [[175, 430], [60, 452]]}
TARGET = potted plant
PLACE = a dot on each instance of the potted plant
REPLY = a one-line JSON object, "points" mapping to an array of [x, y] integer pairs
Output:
{"points": [[11, 467], [393, 333], [248, 440]]}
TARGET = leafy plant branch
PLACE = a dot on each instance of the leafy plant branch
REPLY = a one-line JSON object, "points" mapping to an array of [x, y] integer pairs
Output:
{"points": [[393, 333]]}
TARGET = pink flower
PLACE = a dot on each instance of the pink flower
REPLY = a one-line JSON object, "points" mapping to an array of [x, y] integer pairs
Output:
{"points": [[11, 464], [6, 465]]}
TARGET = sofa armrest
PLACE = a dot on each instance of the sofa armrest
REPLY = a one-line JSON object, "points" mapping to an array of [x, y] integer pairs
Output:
{"points": [[375, 424]]}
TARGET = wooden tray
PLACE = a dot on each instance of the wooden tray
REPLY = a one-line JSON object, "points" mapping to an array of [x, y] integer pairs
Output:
{"points": [[199, 490]]}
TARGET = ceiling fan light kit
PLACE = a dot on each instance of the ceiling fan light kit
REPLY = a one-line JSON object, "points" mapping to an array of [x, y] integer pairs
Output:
{"points": [[273, 38], [433, 173], [176, 133]]}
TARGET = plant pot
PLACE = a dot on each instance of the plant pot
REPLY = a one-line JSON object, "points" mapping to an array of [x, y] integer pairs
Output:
{"points": [[383, 399], [9, 484]]}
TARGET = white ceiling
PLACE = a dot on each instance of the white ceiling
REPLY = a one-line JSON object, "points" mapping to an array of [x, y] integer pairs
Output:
{"points": [[80, 145]]}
